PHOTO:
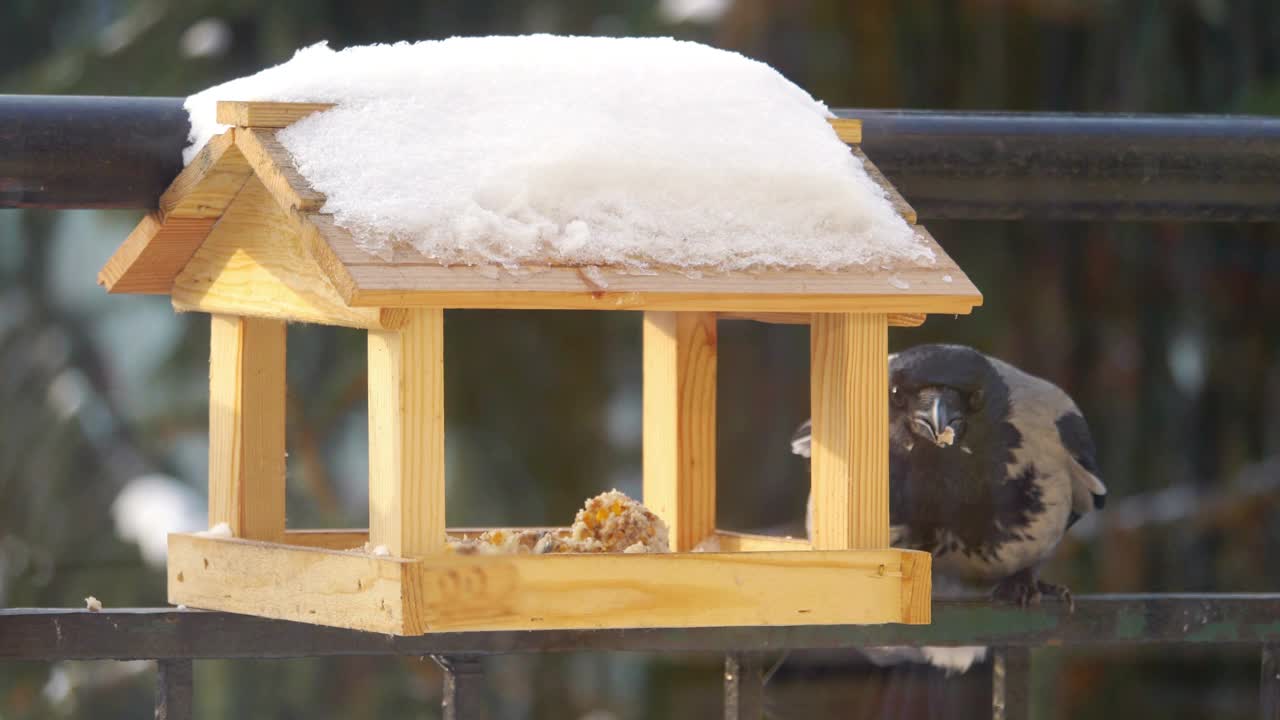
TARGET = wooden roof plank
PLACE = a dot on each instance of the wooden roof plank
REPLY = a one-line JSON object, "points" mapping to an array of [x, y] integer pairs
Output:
{"points": [[781, 318], [147, 261], [899, 203], [326, 242], [849, 130], [481, 296], [261, 114], [253, 264], [274, 166], [207, 185], [162, 243], [406, 278], [268, 114]]}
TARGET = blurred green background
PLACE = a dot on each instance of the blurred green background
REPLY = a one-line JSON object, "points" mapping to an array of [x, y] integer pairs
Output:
{"points": [[1167, 335]]}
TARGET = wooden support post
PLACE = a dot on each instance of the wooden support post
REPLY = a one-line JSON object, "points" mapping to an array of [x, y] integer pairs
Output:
{"points": [[406, 435], [247, 425], [849, 392], [680, 423]]}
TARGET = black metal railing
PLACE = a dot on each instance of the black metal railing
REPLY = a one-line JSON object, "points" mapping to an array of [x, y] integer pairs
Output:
{"points": [[85, 152], [121, 152], [175, 638]]}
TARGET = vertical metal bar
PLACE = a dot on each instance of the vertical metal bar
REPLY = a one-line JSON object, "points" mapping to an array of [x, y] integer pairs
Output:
{"points": [[1011, 684], [463, 687], [173, 689], [743, 687], [1271, 681]]}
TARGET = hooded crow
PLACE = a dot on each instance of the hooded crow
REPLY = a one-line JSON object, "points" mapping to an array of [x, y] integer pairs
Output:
{"points": [[988, 468]]}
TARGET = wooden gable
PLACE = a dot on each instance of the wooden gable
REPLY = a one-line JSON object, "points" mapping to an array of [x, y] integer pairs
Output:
{"points": [[240, 234], [280, 257]]}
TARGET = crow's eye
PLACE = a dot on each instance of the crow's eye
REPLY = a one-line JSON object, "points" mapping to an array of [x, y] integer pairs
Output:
{"points": [[975, 399], [897, 398]]}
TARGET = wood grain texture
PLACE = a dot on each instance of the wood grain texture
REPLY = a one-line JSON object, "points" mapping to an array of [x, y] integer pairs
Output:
{"points": [[748, 542], [320, 237], [349, 538], [778, 318], [900, 204], [849, 130], [849, 392], [563, 289], [393, 318], [163, 241], [247, 426], [311, 585], [729, 541], [680, 423], [344, 539], [917, 588], [406, 278], [153, 253], [526, 592], [253, 264], [265, 114], [444, 592], [406, 436], [273, 165], [206, 186]]}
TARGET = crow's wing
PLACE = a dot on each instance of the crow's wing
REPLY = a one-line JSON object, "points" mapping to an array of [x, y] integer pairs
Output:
{"points": [[1087, 491], [1040, 408]]}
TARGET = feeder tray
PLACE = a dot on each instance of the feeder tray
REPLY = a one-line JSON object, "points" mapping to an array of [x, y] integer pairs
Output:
{"points": [[239, 235]]}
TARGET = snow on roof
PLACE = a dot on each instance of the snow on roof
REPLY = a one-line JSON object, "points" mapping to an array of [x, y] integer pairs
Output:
{"points": [[632, 153]]}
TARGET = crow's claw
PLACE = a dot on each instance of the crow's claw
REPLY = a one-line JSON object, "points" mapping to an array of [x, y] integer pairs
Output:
{"points": [[1025, 590], [1061, 592]]}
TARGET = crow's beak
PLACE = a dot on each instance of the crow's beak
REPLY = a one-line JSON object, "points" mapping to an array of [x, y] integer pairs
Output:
{"points": [[936, 417]]}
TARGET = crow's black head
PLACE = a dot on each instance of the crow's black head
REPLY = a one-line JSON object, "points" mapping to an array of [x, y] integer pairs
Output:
{"points": [[945, 395]]}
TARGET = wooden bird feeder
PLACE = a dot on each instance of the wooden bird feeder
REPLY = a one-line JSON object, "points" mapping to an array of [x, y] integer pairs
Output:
{"points": [[239, 235]]}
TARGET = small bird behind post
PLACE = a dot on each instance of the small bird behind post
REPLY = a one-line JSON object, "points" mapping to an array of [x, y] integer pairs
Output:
{"points": [[988, 468]]}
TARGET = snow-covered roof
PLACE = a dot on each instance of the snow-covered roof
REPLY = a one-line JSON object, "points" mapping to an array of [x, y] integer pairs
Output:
{"points": [[532, 172], [618, 152]]}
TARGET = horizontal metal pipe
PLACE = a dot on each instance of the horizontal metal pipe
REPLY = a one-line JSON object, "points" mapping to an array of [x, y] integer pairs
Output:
{"points": [[77, 152], [994, 166], [162, 633], [61, 151]]}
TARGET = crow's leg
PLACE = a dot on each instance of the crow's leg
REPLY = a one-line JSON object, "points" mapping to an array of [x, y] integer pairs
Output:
{"points": [[1025, 588]]}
